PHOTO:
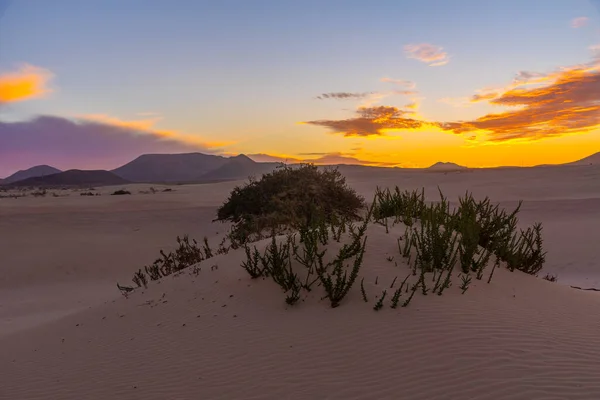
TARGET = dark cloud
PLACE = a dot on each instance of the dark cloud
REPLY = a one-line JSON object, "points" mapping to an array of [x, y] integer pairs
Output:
{"points": [[65, 144], [371, 121], [343, 95]]}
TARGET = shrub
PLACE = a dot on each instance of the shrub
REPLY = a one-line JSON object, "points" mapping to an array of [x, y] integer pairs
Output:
{"points": [[186, 254], [403, 206], [39, 193], [120, 192], [289, 197], [434, 242], [524, 252], [550, 277]]}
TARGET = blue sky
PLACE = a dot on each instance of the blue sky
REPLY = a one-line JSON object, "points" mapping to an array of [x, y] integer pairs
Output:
{"points": [[247, 72]]}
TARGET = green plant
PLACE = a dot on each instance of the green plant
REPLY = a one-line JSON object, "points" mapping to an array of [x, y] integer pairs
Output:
{"points": [[396, 297], [525, 251], [140, 279], [120, 192], [379, 305], [402, 206], [186, 254], [334, 275], [289, 198], [434, 243], [252, 263], [362, 290], [550, 277], [338, 283], [398, 292], [465, 281]]}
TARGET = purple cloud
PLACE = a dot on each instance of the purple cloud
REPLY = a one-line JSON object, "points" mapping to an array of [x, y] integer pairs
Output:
{"points": [[84, 144]]}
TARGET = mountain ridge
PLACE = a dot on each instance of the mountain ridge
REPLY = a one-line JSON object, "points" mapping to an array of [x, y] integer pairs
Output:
{"points": [[33, 172], [72, 177]]}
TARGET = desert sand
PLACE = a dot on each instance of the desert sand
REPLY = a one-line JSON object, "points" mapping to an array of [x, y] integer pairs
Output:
{"points": [[66, 332]]}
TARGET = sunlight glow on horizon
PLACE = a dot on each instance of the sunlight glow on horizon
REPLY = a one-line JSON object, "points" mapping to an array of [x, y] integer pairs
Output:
{"points": [[435, 93]]}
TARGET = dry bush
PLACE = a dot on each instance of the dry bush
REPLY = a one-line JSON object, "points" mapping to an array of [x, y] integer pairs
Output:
{"points": [[291, 197]]}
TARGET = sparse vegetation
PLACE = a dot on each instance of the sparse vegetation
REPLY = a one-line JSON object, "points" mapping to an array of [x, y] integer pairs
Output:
{"points": [[39, 193], [317, 230], [186, 254], [120, 192]]}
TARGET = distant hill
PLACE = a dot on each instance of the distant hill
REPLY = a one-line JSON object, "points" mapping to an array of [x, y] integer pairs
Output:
{"points": [[73, 177], [446, 166], [185, 167], [594, 159], [239, 167], [38, 170], [190, 167]]}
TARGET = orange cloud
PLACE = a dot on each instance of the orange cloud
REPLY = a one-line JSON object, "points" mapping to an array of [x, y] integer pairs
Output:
{"points": [[371, 121], [146, 126], [140, 124], [28, 82], [558, 103], [579, 22], [432, 55], [567, 101]]}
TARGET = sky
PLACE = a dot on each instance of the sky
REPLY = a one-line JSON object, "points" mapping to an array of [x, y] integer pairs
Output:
{"points": [[481, 83]]}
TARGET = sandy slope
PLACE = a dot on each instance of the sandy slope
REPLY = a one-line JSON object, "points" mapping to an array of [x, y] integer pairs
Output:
{"points": [[66, 333]]}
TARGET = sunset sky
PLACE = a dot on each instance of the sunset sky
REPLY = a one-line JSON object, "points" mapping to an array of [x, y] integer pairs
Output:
{"points": [[94, 84]]}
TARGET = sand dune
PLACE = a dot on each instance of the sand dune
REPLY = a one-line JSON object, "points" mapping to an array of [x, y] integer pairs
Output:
{"points": [[66, 332]]}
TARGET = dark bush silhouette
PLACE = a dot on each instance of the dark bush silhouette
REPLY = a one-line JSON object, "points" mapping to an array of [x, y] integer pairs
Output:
{"points": [[291, 197]]}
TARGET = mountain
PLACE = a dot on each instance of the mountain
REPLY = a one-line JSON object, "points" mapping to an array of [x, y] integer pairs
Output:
{"points": [[33, 172], [186, 167], [238, 167], [594, 159], [446, 166], [73, 177], [190, 167]]}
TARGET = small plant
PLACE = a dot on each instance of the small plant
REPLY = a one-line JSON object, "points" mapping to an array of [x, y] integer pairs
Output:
{"points": [[402, 206], [362, 290], [396, 297], [379, 305], [153, 271], [465, 281], [550, 278], [496, 265], [125, 290], [120, 192], [413, 289], [39, 193], [252, 263], [277, 263], [186, 254], [140, 279]]}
